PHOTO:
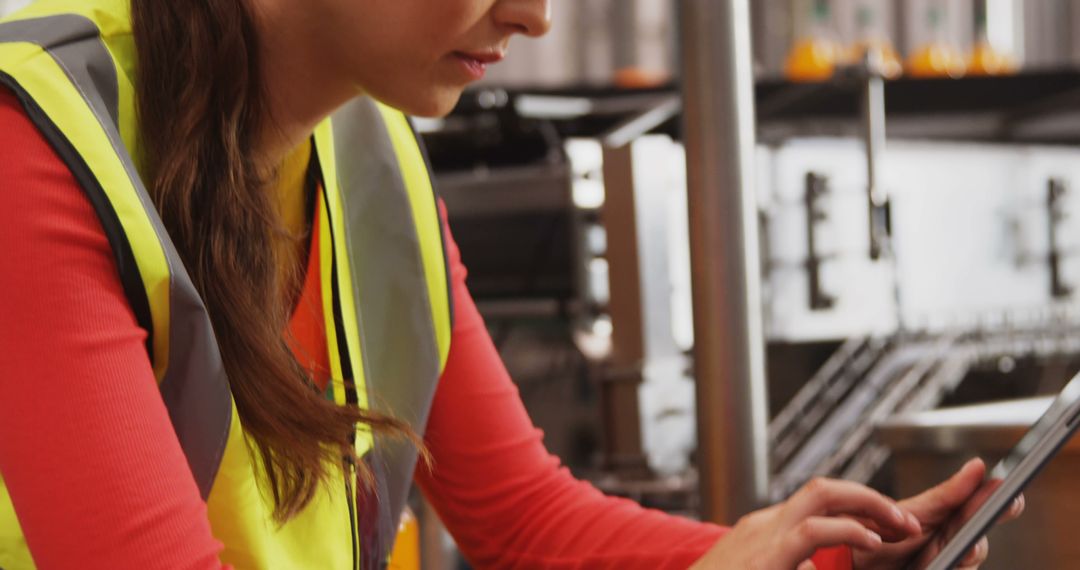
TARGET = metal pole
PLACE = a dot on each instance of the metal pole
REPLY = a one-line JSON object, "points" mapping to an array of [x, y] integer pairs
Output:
{"points": [[729, 355], [873, 115]]}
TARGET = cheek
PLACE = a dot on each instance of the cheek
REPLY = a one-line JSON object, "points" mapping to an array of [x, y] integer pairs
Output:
{"points": [[396, 50], [421, 30]]}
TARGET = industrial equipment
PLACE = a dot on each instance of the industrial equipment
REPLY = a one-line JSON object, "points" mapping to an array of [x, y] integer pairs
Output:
{"points": [[896, 271]]}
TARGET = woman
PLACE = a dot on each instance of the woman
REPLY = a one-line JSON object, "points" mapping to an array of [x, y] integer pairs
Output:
{"points": [[177, 209]]}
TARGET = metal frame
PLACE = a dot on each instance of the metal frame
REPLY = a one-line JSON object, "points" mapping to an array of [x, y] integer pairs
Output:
{"points": [[1056, 192], [623, 371], [817, 187]]}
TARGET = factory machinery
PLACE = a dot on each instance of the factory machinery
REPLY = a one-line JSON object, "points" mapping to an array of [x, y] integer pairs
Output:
{"points": [[938, 266]]}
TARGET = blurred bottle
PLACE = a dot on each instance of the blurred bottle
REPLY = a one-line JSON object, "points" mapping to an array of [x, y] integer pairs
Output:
{"points": [[985, 59], [406, 552], [937, 57], [871, 34], [814, 54], [640, 78]]}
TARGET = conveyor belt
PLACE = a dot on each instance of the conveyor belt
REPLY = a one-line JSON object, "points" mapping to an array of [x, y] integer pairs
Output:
{"points": [[843, 419], [826, 429], [796, 423]]}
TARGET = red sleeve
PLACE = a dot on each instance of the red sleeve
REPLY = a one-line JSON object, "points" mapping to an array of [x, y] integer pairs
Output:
{"points": [[87, 452], [507, 501]]}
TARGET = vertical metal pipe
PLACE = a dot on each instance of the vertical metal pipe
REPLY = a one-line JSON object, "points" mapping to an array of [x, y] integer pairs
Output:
{"points": [[873, 119], [874, 135], [729, 355]]}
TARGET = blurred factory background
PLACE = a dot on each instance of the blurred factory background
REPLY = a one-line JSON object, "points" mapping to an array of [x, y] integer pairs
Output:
{"points": [[916, 211], [598, 42], [910, 244]]}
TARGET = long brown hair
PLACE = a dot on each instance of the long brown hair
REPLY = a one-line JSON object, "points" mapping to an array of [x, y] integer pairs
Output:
{"points": [[201, 106]]}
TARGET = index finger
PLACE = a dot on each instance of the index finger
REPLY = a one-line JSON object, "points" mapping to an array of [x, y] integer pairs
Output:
{"points": [[827, 497], [937, 504], [977, 500]]}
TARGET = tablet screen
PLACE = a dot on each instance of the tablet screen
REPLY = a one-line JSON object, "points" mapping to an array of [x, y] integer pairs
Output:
{"points": [[1005, 481]]}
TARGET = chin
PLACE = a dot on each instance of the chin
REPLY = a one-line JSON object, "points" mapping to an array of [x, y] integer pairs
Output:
{"points": [[438, 102]]}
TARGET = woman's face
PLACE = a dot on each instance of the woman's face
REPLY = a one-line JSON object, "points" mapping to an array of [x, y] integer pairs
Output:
{"points": [[419, 55]]}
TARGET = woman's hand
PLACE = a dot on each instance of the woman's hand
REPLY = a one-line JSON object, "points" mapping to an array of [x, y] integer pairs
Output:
{"points": [[934, 508], [823, 513]]}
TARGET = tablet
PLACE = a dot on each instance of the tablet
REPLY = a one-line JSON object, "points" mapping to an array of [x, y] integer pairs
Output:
{"points": [[1011, 475]]}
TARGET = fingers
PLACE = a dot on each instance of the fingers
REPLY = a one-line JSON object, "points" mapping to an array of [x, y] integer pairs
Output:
{"points": [[1015, 509], [819, 532], [936, 504], [977, 555], [829, 497], [806, 565], [973, 504]]}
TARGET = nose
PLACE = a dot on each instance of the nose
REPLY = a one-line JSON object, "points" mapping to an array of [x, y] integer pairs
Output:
{"points": [[529, 17]]}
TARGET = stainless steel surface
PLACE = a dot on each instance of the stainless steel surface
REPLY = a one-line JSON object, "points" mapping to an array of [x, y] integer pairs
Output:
{"points": [[570, 107], [725, 270], [771, 35], [792, 427], [928, 447], [994, 427], [873, 111], [1040, 34], [1048, 33], [864, 457], [827, 427], [841, 429], [624, 34], [589, 41]]}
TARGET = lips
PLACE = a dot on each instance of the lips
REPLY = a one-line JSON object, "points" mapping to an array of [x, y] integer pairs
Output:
{"points": [[484, 57], [475, 64]]}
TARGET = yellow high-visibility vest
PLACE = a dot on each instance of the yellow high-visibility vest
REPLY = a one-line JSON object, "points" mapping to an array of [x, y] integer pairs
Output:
{"points": [[386, 294]]}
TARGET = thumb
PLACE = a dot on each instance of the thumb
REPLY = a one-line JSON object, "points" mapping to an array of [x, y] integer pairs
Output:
{"points": [[806, 565], [935, 504]]}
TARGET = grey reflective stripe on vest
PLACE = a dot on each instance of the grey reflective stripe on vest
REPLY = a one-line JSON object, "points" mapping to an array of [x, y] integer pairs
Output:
{"points": [[398, 340], [195, 389], [66, 38]]}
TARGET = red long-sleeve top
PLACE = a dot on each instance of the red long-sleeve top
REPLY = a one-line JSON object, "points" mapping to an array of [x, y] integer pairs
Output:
{"points": [[96, 474]]}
